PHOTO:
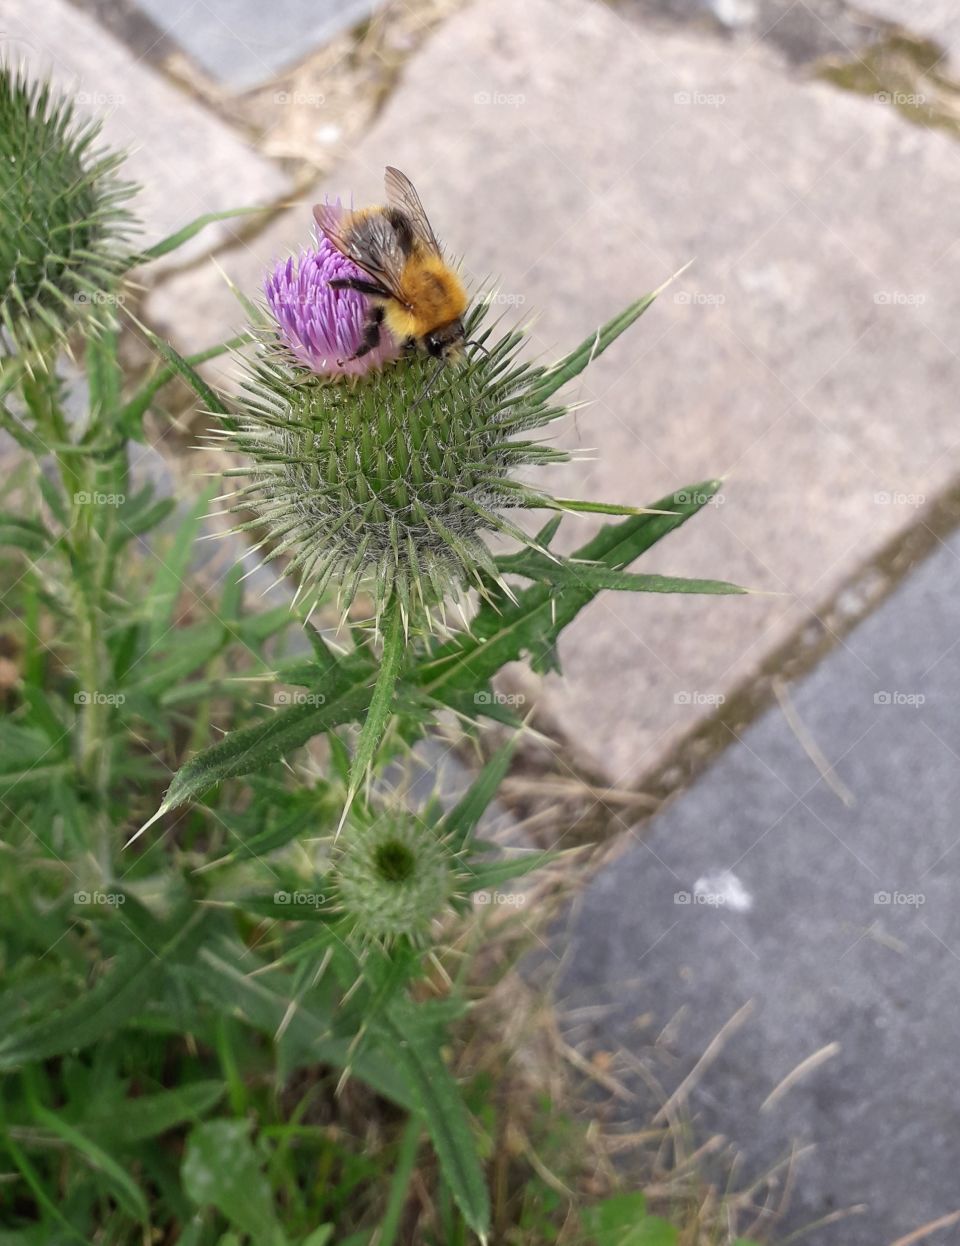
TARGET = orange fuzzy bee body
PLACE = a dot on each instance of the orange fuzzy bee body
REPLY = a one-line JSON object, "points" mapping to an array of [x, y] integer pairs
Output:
{"points": [[413, 292]]}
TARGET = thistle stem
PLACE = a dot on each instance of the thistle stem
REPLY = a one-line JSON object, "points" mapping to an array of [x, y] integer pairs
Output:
{"points": [[88, 587]]}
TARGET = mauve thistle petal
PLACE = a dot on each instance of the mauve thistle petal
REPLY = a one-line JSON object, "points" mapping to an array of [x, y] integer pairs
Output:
{"points": [[322, 326]]}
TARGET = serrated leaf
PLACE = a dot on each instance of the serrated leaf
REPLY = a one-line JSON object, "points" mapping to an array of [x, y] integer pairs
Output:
{"points": [[381, 704], [588, 350], [346, 692], [307, 1030], [29, 535], [444, 1113], [118, 995], [595, 576], [533, 624], [486, 874], [148, 1116]]}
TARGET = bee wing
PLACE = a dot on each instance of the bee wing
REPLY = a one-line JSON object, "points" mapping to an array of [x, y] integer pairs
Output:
{"points": [[402, 196], [369, 240]]}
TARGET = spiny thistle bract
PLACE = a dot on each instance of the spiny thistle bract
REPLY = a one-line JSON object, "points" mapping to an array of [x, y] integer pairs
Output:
{"points": [[62, 221], [393, 876], [378, 480]]}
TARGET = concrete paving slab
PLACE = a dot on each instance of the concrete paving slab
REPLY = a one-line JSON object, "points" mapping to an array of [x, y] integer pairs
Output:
{"points": [[839, 922], [187, 161], [244, 43], [583, 158]]}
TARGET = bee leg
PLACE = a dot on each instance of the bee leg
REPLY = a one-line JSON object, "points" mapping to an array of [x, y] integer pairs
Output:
{"points": [[357, 283], [371, 334]]}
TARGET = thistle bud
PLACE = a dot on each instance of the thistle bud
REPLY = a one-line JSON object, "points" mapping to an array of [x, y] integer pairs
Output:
{"points": [[395, 478], [62, 222], [393, 876]]}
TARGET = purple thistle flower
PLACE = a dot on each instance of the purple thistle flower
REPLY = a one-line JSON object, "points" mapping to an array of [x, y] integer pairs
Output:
{"points": [[321, 326]]}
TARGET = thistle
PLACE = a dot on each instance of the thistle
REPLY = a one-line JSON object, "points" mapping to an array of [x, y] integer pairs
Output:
{"points": [[62, 221], [395, 478], [387, 481], [322, 326], [393, 877]]}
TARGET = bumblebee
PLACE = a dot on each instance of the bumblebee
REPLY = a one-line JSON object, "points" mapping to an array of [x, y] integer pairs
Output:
{"points": [[417, 297]]}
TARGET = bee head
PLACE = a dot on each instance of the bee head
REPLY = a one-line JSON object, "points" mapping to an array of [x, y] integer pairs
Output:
{"points": [[446, 342]]}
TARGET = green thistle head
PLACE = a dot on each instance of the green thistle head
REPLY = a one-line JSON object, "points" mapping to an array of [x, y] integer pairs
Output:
{"points": [[61, 216], [390, 480], [393, 876]]}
